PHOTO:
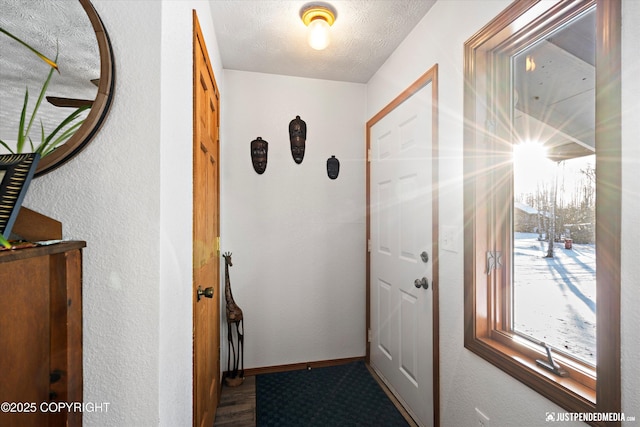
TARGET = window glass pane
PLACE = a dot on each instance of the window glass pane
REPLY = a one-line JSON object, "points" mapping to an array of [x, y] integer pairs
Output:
{"points": [[554, 283]]}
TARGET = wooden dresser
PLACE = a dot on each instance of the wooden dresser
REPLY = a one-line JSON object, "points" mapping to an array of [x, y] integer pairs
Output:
{"points": [[41, 335]]}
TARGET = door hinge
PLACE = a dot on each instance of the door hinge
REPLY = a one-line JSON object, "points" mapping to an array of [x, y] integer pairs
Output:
{"points": [[369, 335], [217, 245], [368, 245], [369, 155], [494, 261]]}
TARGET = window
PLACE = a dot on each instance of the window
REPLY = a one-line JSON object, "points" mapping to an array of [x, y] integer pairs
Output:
{"points": [[542, 199]]}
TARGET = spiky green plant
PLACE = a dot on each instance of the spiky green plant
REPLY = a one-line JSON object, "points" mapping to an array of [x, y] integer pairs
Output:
{"points": [[59, 135], [49, 142], [4, 242], [51, 63]]}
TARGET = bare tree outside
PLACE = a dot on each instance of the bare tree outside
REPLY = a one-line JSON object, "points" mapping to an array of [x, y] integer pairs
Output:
{"points": [[554, 252], [554, 199]]}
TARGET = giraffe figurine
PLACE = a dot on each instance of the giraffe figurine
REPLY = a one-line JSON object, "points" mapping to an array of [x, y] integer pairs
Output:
{"points": [[235, 375]]}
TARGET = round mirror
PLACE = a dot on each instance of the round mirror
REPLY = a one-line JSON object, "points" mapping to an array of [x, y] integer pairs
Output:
{"points": [[73, 32]]}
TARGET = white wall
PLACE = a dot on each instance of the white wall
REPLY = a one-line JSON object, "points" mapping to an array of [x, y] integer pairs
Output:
{"points": [[128, 195], [109, 196], [297, 237], [630, 293], [467, 381], [176, 198]]}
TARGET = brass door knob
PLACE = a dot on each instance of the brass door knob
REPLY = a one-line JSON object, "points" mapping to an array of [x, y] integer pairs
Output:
{"points": [[207, 293]]}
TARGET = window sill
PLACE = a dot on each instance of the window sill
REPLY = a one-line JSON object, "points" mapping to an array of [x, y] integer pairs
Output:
{"points": [[568, 393]]}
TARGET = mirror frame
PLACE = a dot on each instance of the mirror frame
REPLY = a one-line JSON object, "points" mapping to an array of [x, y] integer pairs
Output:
{"points": [[100, 108]]}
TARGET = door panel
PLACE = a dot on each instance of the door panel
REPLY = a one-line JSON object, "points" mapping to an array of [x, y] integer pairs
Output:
{"points": [[384, 333], [206, 264], [402, 210]]}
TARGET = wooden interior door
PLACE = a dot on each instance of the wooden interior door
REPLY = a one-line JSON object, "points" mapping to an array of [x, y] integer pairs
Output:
{"points": [[206, 214], [402, 176]]}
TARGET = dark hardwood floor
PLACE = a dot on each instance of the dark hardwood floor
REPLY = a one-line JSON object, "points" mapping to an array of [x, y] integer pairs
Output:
{"points": [[237, 406]]}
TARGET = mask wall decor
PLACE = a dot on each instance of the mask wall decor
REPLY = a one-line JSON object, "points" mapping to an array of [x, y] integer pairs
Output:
{"points": [[333, 167], [259, 148], [297, 137]]}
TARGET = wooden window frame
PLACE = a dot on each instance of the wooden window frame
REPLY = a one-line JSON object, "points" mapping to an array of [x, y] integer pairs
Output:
{"points": [[488, 200]]}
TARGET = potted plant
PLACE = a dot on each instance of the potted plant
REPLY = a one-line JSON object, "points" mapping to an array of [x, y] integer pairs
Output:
{"points": [[24, 142]]}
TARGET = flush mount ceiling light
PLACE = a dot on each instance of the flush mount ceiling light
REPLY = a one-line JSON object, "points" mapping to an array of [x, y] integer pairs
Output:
{"points": [[318, 18]]}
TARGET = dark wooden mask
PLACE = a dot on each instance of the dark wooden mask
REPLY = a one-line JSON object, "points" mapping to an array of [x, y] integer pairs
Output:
{"points": [[297, 137], [259, 148], [333, 167]]}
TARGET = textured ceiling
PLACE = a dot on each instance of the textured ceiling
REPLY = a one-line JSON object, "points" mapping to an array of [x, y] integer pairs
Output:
{"points": [[253, 35], [268, 36]]}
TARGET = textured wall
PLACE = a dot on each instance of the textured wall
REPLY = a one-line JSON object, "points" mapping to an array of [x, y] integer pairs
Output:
{"points": [[467, 381], [301, 283], [176, 122], [297, 237], [630, 294], [109, 196], [128, 194]]}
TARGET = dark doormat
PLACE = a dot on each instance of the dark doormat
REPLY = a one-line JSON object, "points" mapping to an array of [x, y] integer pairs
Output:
{"points": [[344, 395]]}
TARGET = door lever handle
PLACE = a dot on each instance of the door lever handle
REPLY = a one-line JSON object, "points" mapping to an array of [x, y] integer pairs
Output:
{"points": [[207, 293], [421, 283]]}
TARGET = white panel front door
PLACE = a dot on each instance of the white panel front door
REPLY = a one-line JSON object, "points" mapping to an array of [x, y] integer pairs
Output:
{"points": [[401, 349]]}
